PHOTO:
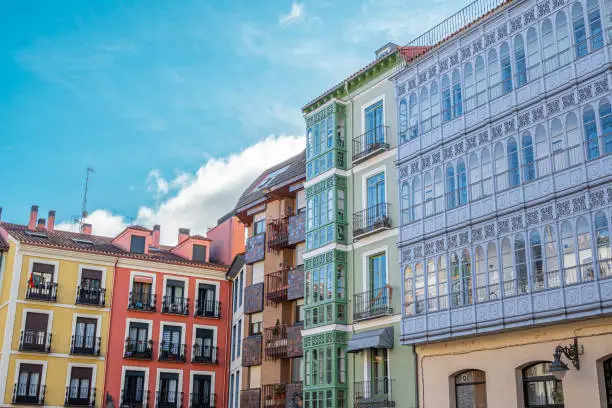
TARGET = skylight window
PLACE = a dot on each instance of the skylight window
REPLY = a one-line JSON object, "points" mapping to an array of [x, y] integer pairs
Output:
{"points": [[82, 241], [37, 234], [266, 181]]}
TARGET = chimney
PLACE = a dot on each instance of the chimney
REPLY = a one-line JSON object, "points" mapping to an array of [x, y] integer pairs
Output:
{"points": [[0, 213], [183, 235], [33, 215], [156, 232], [51, 220], [86, 229], [41, 224]]}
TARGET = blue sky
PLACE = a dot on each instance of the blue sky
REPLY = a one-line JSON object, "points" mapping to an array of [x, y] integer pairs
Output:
{"points": [[154, 94]]}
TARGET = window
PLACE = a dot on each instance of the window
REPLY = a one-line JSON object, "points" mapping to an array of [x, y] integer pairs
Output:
{"points": [[508, 275], [419, 287], [29, 383], [237, 389], [438, 191], [529, 172], [84, 340], [520, 263], [470, 389], [450, 187], [468, 78], [141, 296], [537, 263], [533, 55], [408, 291], [256, 326], [605, 120], [171, 347], [203, 348], [540, 388], [41, 283], [594, 25], [431, 277], [403, 120], [428, 194], [231, 391], [416, 199], [376, 207], [442, 283], [414, 116], [207, 300], [514, 176], [493, 70], [563, 40], [501, 179], [406, 208], [475, 193], [569, 254], [585, 253], [461, 280], [297, 370], [551, 260], [137, 343], [434, 120], [457, 98], [461, 183], [519, 61], [607, 366], [481, 81], [199, 253], [133, 388], [259, 227], [375, 132], [137, 244], [542, 150], [481, 275], [425, 113], [377, 269], [299, 312], [602, 238], [506, 68], [379, 366], [580, 38], [492, 267], [79, 391], [89, 290], [36, 336], [549, 48], [447, 113], [167, 394], [590, 133], [487, 182], [174, 300]]}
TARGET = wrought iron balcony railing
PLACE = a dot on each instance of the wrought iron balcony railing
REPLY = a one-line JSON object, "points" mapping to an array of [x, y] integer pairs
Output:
{"points": [[80, 397], [135, 397], [42, 291], [169, 399], [371, 143], [138, 349], [274, 395], [89, 345], [30, 394], [208, 308], [278, 233], [205, 354], [277, 286], [374, 393], [35, 340], [171, 351], [94, 297], [175, 305], [371, 220], [144, 302], [373, 303], [201, 400], [275, 342]]}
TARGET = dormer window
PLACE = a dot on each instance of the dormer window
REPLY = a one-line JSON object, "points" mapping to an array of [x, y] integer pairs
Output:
{"points": [[199, 253], [137, 244]]}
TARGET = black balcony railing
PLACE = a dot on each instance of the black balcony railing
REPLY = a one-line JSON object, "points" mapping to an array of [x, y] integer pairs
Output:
{"points": [[89, 345], [80, 397], [94, 297], [275, 342], [171, 351], [134, 397], [42, 291], [139, 349], [277, 286], [374, 393], [278, 233], [35, 340], [274, 395], [142, 301], [373, 303], [208, 308], [370, 143], [202, 400], [205, 354], [30, 394], [175, 305], [371, 219], [169, 399]]}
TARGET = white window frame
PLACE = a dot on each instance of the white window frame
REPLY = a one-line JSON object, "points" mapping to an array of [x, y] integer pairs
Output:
{"points": [[177, 278], [43, 375], [217, 285], [127, 329], [94, 372], [55, 264], [87, 316], [95, 268], [170, 371], [146, 379], [49, 313], [366, 257], [364, 184], [161, 332], [133, 274], [366, 105], [212, 382]]}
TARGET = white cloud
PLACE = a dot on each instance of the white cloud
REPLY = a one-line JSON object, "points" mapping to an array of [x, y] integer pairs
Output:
{"points": [[295, 15], [204, 196], [157, 184]]}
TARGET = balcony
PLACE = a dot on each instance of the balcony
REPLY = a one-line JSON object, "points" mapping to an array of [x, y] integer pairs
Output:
{"points": [[277, 285], [171, 352], [176, 305], [134, 398], [208, 308], [140, 350], [274, 395], [371, 220], [250, 398], [251, 350], [275, 342], [374, 394], [29, 394], [278, 234], [199, 400], [297, 228], [168, 399], [253, 298], [93, 297], [80, 397], [85, 345], [369, 144], [35, 340], [368, 305], [255, 249], [205, 354], [42, 291], [143, 302]]}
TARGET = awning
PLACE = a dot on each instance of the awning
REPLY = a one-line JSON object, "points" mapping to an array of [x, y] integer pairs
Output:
{"points": [[378, 339], [143, 279]]}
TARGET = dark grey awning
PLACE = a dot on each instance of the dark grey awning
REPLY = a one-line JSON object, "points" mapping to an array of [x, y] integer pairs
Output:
{"points": [[379, 339]]}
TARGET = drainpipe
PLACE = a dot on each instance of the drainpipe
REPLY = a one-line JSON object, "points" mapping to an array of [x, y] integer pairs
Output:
{"points": [[227, 349], [110, 324], [415, 357]]}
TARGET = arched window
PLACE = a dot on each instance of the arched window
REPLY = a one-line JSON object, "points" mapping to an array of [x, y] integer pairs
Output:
{"points": [[580, 38], [419, 287], [514, 175], [607, 368], [533, 55], [406, 207], [403, 120], [605, 120], [549, 49], [468, 78], [470, 389], [481, 81], [413, 119], [506, 68], [585, 252], [602, 238], [455, 279], [501, 180], [442, 283], [492, 268], [590, 133], [537, 264], [435, 106], [542, 389], [494, 85], [529, 173], [432, 285], [558, 144], [438, 191], [447, 112], [475, 186], [487, 179], [457, 98], [519, 61], [461, 182], [425, 115], [482, 289], [569, 254], [428, 194], [541, 152], [508, 274], [552, 261], [408, 291], [563, 39], [416, 199], [573, 138], [450, 187], [594, 25], [520, 263]]}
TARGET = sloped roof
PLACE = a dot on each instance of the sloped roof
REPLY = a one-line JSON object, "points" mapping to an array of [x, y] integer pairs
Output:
{"points": [[236, 266], [3, 244]]}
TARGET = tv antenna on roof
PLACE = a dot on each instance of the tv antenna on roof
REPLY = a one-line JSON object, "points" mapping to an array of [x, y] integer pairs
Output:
{"points": [[84, 209]]}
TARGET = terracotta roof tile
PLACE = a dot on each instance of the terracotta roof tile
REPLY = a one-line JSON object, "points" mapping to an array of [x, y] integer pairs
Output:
{"points": [[3, 244]]}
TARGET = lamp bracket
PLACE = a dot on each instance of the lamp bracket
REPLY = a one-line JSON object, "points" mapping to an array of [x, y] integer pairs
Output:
{"points": [[572, 352]]}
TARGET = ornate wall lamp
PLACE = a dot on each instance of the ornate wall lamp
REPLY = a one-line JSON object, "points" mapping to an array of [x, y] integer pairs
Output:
{"points": [[573, 352]]}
